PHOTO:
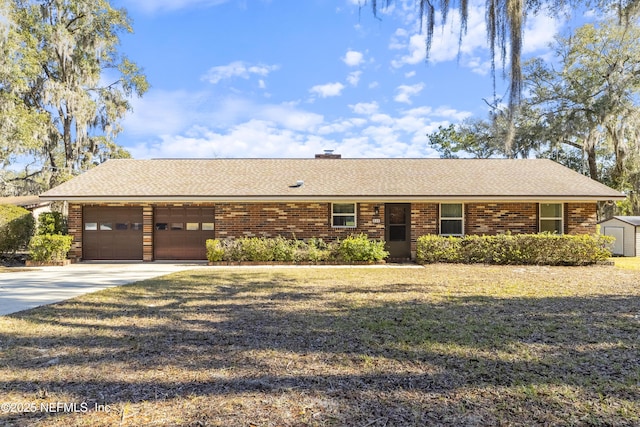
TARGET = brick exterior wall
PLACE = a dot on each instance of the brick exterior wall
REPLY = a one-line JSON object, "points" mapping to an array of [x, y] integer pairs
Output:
{"points": [[299, 220], [499, 218], [147, 233], [580, 218], [305, 220], [74, 228], [424, 220]]}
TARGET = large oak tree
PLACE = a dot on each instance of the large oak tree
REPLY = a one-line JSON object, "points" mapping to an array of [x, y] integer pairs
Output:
{"points": [[64, 87]]}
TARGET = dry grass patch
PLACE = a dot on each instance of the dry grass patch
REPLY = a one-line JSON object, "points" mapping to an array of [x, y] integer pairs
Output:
{"points": [[4, 269], [629, 263], [440, 345]]}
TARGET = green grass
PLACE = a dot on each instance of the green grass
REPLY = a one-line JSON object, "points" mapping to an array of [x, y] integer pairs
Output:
{"points": [[630, 263], [440, 345]]}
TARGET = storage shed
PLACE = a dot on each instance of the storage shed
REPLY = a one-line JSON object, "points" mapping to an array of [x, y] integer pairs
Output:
{"points": [[626, 230]]}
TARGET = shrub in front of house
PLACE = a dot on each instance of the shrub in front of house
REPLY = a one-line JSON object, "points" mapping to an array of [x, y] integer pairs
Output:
{"points": [[525, 249], [261, 249], [51, 223], [502, 249], [283, 250], [316, 250], [215, 250], [256, 249], [432, 248], [49, 247], [16, 228], [359, 248], [553, 249]]}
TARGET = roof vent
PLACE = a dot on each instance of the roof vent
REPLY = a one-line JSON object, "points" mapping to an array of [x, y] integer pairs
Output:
{"points": [[328, 154], [299, 183]]}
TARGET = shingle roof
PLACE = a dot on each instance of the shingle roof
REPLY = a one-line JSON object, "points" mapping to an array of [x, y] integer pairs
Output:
{"points": [[633, 220], [21, 201], [271, 179]]}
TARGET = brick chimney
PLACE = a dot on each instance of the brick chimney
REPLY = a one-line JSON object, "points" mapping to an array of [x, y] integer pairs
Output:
{"points": [[328, 154]]}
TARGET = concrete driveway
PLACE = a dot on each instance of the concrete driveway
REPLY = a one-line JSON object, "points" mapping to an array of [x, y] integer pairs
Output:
{"points": [[22, 290]]}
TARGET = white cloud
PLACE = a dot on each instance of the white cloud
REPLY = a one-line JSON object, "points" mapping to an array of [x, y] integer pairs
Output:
{"points": [[451, 114], [353, 58], [262, 138], [182, 124], [478, 65], [237, 69], [415, 46], [289, 117], [164, 112], [342, 126], [423, 111], [397, 42], [405, 92], [253, 138], [382, 119], [472, 51], [328, 90], [161, 112], [230, 111], [446, 44], [354, 78], [365, 107], [539, 32], [382, 136]]}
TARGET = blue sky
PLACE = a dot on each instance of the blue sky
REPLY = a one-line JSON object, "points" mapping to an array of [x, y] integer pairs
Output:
{"points": [[284, 78]]}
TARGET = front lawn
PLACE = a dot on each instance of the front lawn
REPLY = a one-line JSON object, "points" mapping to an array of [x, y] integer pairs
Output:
{"points": [[452, 345], [631, 263]]}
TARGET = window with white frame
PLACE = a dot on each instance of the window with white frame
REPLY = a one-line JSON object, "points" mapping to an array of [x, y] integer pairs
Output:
{"points": [[551, 218], [451, 219], [343, 215]]}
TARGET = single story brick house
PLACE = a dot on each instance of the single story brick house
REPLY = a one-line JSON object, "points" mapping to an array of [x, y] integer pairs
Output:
{"points": [[166, 208]]}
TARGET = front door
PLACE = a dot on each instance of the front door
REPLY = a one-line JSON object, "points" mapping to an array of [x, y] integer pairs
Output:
{"points": [[398, 229]]}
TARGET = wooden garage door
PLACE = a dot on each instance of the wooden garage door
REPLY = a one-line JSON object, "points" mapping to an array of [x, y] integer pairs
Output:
{"points": [[181, 232], [112, 233]]}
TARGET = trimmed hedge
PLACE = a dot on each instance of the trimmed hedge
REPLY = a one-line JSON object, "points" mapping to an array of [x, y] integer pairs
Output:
{"points": [[357, 248], [49, 247], [257, 249], [525, 249], [16, 228]]}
